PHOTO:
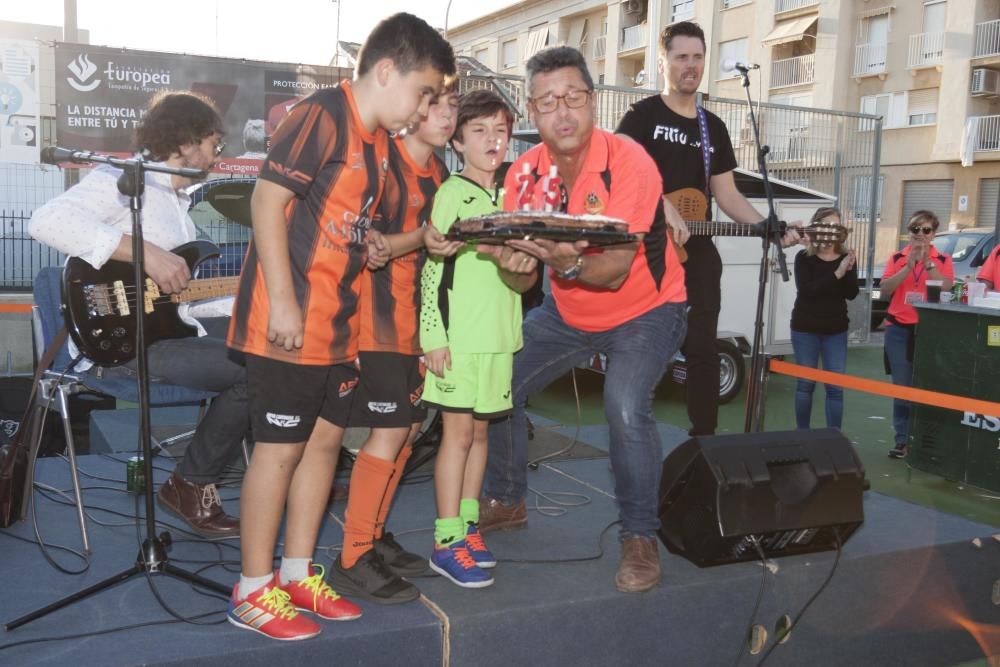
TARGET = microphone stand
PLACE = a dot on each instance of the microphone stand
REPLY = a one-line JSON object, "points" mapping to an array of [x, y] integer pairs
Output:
{"points": [[152, 557], [774, 230]]}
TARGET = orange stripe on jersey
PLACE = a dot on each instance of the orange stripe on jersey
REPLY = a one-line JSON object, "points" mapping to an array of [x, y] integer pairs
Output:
{"points": [[390, 297], [336, 168]]}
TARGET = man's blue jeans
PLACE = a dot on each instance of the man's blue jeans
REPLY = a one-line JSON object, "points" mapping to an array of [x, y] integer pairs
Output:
{"points": [[897, 342], [638, 352], [809, 349]]}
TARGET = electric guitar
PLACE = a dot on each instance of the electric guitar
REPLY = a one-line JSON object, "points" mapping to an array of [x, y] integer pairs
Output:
{"points": [[99, 304], [693, 207]]}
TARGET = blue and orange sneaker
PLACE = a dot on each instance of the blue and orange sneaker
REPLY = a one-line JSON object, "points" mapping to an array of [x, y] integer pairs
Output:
{"points": [[477, 548], [269, 611], [314, 595], [454, 562]]}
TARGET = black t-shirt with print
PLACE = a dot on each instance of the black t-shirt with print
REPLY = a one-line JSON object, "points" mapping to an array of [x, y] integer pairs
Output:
{"points": [[674, 143]]}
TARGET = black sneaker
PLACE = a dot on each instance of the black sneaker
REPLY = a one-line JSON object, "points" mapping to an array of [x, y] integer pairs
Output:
{"points": [[371, 579], [399, 560], [898, 452]]}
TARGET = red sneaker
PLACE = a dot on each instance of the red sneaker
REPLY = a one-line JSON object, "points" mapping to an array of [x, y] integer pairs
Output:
{"points": [[315, 595], [269, 612]]}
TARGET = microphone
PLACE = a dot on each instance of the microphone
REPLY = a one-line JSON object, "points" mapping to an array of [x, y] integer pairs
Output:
{"points": [[56, 155], [733, 65]]}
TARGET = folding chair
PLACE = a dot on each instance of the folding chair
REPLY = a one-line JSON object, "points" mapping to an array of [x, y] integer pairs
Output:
{"points": [[58, 384]]}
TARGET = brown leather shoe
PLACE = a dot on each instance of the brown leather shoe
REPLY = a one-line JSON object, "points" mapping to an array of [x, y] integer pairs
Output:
{"points": [[199, 506], [494, 515], [640, 567]]}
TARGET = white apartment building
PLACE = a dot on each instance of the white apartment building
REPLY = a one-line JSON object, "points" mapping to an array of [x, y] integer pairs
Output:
{"points": [[930, 68]]}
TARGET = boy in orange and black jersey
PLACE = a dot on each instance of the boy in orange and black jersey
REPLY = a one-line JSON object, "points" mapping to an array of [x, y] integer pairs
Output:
{"points": [[296, 314], [387, 399]]}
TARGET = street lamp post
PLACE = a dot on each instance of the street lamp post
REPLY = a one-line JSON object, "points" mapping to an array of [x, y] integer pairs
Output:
{"points": [[446, 10], [336, 46]]}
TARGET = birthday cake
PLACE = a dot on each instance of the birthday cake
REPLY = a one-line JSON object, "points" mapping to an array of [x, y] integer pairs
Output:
{"points": [[502, 226], [530, 222]]}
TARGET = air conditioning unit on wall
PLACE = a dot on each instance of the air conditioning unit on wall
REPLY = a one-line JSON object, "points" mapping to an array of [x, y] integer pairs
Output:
{"points": [[632, 6], [985, 82]]}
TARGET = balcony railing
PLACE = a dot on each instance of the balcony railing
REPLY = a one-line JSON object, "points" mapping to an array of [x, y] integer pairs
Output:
{"points": [[793, 71], [633, 37], [926, 50], [988, 39], [987, 134], [600, 46], [787, 5], [869, 59]]}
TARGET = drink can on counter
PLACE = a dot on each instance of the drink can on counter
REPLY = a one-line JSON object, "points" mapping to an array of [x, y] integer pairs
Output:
{"points": [[135, 475]]}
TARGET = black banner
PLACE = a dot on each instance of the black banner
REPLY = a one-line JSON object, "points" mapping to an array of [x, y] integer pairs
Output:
{"points": [[101, 94]]}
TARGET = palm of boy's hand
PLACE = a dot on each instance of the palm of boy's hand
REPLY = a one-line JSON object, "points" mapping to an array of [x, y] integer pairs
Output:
{"points": [[284, 326], [438, 245], [438, 360], [379, 250]]}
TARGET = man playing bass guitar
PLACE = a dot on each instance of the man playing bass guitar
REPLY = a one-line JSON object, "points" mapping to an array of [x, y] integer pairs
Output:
{"points": [[92, 221]]}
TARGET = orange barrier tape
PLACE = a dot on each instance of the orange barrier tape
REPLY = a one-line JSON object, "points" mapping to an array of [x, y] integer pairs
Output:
{"points": [[925, 396], [21, 308]]}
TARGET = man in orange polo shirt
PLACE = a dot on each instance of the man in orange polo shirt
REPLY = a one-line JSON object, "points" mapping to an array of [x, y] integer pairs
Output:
{"points": [[628, 302], [989, 272]]}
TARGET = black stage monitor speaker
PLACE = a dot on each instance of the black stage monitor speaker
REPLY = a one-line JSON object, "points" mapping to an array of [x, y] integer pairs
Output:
{"points": [[788, 490]]}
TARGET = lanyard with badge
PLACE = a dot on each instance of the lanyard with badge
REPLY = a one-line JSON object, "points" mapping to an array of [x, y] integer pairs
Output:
{"points": [[915, 296]]}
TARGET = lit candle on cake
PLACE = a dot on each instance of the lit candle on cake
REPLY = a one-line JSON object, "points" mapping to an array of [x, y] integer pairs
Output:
{"points": [[524, 188], [551, 191]]}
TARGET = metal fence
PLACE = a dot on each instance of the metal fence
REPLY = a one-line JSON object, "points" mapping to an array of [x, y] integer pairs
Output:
{"points": [[21, 257], [834, 152]]}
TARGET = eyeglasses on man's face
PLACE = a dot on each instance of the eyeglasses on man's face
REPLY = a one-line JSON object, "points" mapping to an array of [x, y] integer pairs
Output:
{"points": [[922, 230], [574, 99]]}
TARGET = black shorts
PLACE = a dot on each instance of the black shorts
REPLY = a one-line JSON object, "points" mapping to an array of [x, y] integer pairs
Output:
{"points": [[388, 395], [286, 399]]}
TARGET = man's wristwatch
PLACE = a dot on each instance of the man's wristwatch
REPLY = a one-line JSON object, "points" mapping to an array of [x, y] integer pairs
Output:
{"points": [[573, 272]]}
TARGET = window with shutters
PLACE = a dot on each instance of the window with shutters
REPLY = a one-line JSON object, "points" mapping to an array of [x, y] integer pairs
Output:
{"points": [[891, 106], [922, 107], [681, 10], [509, 54], [733, 50], [482, 55]]}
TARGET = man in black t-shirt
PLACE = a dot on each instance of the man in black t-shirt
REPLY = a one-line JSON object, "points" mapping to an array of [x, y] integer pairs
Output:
{"points": [[670, 127]]}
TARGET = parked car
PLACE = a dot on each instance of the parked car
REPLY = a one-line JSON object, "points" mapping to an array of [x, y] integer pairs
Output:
{"points": [[967, 248]]}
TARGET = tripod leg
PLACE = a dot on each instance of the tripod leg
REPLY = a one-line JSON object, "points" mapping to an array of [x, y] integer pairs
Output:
{"points": [[71, 451], [79, 595]]}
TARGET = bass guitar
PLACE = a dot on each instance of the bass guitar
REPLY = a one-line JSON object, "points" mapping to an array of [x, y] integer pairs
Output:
{"points": [[99, 304], [693, 207]]}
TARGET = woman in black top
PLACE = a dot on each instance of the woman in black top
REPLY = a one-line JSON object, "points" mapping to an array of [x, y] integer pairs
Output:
{"points": [[825, 278]]}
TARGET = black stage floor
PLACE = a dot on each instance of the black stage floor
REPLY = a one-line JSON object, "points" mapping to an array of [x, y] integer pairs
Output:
{"points": [[914, 587]]}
